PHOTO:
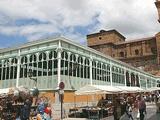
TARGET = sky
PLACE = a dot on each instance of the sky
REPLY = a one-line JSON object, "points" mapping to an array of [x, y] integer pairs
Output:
{"points": [[27, 20]]}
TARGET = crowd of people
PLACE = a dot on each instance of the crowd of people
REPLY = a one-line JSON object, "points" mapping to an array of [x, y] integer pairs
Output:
{"points": [[43, 110], [123, 106]]}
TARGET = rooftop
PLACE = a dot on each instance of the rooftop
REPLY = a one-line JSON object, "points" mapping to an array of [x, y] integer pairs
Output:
{"points": [[106, 32]]}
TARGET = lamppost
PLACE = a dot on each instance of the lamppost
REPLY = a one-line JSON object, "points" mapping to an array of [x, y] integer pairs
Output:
{"points": [[71, 70], [30, 75], [35, 91], [61, 96]]}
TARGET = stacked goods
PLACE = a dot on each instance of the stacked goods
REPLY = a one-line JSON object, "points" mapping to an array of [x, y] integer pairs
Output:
{"points": [[24, 92], [13, 102]]}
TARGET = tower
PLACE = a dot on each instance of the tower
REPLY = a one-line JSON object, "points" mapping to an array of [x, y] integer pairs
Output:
{"points": [[158, 8]]}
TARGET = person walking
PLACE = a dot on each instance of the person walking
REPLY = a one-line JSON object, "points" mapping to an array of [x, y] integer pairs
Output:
{"points": [[117, 109], [129, 111], [141, 107]]}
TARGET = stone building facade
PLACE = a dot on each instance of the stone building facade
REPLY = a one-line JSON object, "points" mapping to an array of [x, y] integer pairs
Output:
{"points": [[158, 7], [142, 53]]}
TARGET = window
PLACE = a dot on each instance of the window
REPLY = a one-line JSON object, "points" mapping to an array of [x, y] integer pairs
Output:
{"points": [[136, 52], [121, 54], [153, 50], [100, 38]]}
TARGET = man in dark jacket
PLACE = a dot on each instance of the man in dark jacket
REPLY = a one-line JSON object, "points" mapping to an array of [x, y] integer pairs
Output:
{"points": [[25, 111], [141, 107]]}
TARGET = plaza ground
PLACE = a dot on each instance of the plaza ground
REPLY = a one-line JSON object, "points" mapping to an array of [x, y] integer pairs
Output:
{"points": [[151, 114]]}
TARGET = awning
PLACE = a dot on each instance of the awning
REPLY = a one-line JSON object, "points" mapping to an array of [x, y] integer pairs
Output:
{"points": [[104, 89], [153, 89], [126, 89], [98, 89], [4, 91]]}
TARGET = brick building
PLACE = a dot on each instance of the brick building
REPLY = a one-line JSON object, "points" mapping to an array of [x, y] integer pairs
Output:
{"points": [[142, 53]]}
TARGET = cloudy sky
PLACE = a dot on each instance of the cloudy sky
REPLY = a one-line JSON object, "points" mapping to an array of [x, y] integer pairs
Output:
{"points": [[28, 20]]}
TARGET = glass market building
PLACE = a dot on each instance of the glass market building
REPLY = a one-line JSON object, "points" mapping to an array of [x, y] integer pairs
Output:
{"points": [[58, 59]]}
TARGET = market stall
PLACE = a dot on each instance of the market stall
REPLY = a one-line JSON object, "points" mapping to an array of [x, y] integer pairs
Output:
{"points": [[98, 111], [105, 106], [156, 90], [15, 103], [98, 89]]}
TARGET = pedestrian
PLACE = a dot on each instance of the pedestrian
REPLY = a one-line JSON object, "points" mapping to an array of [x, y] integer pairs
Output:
{"points": [[129, 110], [117, 109], [25, 111], [141, 107]]}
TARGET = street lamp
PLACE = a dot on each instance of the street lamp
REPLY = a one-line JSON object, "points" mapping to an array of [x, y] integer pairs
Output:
{"points": [[71, 70], [35, 90], [30, 75]]}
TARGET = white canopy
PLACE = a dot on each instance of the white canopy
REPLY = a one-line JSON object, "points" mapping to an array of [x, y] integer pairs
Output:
{"points": [[104, 89], [126, 89], [4, 91], [153, 89], [97, 89]]}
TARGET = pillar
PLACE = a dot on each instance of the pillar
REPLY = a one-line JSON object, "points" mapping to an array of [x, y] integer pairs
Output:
{"points": [[125, 81], [90, 67], [111, 80], [18, 68], [59, 50]]}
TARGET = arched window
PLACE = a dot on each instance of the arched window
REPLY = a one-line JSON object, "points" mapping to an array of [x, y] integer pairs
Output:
{"points": [[80, 67], [23, 67], [94, 70], [99, 71], [14, 61], [127, 79], [137, 81], [13, 68], [55, 54], [64, 63], [104, 72], [50, 55], [72, 72], [23, 60], [86, 68], [33, 58], [64, 55], [153, 50], [121, 54], [136, 52], [132, 79], [6, 69], [42, 64]]}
